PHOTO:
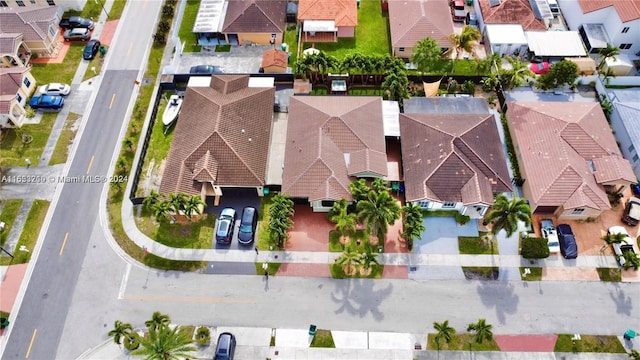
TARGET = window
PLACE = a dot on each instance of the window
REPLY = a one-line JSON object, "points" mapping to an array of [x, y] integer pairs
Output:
{"points": [[625, 29], [51, 3], [423, 204], [635, 158], [3, 4], [631, 148], [26, 82], [19, 2], [577, 211], [401, 49], [52, 32], [327, 203], [625, 46], [449, 204], [19, 98]]}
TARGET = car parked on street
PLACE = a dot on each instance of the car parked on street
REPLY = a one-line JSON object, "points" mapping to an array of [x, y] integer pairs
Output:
{"points": [[548, 231], [248, 225], [46, 102], [224, 229], [568, 245], [226, 347], [91, 49], [74, 34], [55, 89], [621, 247], [76, 22], [206, 69], [631, 215]]}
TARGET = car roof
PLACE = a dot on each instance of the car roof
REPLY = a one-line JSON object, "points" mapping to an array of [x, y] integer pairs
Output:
{"points": [[618, 230], [546, 223], [565, 229], [228, 212]]}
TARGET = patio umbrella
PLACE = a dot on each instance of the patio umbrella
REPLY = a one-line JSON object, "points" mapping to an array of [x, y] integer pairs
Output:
{"points": [[311, 51]]}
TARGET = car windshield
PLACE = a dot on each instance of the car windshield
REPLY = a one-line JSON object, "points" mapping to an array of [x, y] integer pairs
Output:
{"points": [[245, 228]]}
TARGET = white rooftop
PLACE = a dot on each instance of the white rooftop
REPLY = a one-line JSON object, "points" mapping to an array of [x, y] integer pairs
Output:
{"points": [[555, 43], [319, 25], [210, 16], [199, 81], [505, 34], [391, 118], [254, 82]]}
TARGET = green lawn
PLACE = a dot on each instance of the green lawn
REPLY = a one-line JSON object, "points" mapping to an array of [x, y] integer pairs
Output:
{"points": [[291, 39], [13, 152], [534, 275], [65, 140], [95, 64], [31, 231], [483, 244], [609, 274], [359, 235], [481, 272], [8, 216], [116, 9], [262, 237], [461, 342], [323, 339], [372, 34], [338, 273], [197, 234], [589, 343], [272, 268], [186, 26], [63, 72]]}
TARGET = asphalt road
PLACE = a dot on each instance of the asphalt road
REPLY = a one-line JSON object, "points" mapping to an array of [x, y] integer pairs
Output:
{"points": [[39, 324]]}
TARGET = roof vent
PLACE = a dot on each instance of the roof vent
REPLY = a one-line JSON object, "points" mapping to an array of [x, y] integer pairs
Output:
{"points": [[249, 139], [493, 3]]}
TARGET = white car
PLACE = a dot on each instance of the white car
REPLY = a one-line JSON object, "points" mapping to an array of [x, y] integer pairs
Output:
{"points": [[619, 248], [55, 89], [548, 231]]}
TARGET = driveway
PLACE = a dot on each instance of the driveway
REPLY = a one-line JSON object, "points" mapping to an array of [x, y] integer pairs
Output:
{"points": [[239, 60], [440, 237]]}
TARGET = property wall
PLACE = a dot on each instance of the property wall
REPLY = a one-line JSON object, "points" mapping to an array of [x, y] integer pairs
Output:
{"points": [[346, 31], [259, 38]]}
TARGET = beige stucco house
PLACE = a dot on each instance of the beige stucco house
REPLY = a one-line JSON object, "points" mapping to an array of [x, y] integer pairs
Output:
{"points": [[16, 86]]}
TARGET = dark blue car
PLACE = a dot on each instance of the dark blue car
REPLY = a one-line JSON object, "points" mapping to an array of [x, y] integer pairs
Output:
{"points": [[568, 245], [46, 102]]}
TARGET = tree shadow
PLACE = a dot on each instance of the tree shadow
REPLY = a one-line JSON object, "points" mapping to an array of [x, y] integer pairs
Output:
{"points": [[500, 295], [622, 301], [360, 297]]}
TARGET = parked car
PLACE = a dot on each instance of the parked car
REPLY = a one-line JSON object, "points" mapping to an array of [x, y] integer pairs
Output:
{"points": [[91, 49], [472, 19], [46, 102], [76, 22], [568, 246], [55, 89], [548, 231], [631, 215], [621, 247], [77, 34], [457, 10], [248, 225], [540, 68], [226, 222], [206, 69], [226, 347]]}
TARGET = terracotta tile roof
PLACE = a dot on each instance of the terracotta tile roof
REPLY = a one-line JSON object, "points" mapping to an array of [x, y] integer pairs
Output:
{"points": [[10, 83], [275, 57], [566, 153], [511, 12], [32, 22], [628, 10], [330, 139], [414, 20], [222, 135], [255, 16], [343, 12], [9, 42], [452, 156]]}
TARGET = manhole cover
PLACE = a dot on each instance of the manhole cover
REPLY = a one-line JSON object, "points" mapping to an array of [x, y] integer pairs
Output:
{"points": [[146, 81]]}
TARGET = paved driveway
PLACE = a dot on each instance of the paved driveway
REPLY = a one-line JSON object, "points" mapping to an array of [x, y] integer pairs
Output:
{"points": [[440, 237], [240, 60]]}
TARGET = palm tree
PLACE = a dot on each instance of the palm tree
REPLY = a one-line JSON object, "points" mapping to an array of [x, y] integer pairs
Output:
{"points": [[444, 332], [505, 214], [631, 260], [609, 52], [345, 222], [161, 210], [465, 41], [378, 211], [349, 259], [193, 204], [151, 200], [120, 331], [517, 75], [412, 223], [481, 332], [379, 185], [359, 189], [177, 201], [157, 320], [368, 259], [280, 221], [426, 53], [164, 343], [611, 239], [395, 85]]}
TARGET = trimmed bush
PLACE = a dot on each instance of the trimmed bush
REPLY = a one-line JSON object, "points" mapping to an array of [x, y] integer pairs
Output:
{"points": [[131, 341], [534, 248], [462, 219], [203, 336]]}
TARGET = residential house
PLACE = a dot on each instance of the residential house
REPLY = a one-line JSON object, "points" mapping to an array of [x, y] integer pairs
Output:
{"points": [[275, 61], [605, 21], [255, 21], [38, 26], [568, 157], [413, 20], [625, 123], [331, 142], [507, 12], [506, 39], [221, 138], [13, 51], [327, 20], [452, 155], [16, 86], [66, 4]]}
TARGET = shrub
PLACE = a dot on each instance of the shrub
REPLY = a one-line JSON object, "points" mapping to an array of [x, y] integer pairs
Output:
{"points": [[29, 112], [534, 248], [131, 342], [167, 10], [462, 219], [203, 336], [160, 39], [164, 26]]}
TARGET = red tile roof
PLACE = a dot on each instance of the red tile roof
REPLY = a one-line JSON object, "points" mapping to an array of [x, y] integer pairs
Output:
{"points": [[628, 10], [255, 16], [414, 20], [10, 83], [222, 136], [511, 12], [275, 57], [559, 144], [9, 42], [452, 157], [32, 22], [343, 12], [330, 141]]}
